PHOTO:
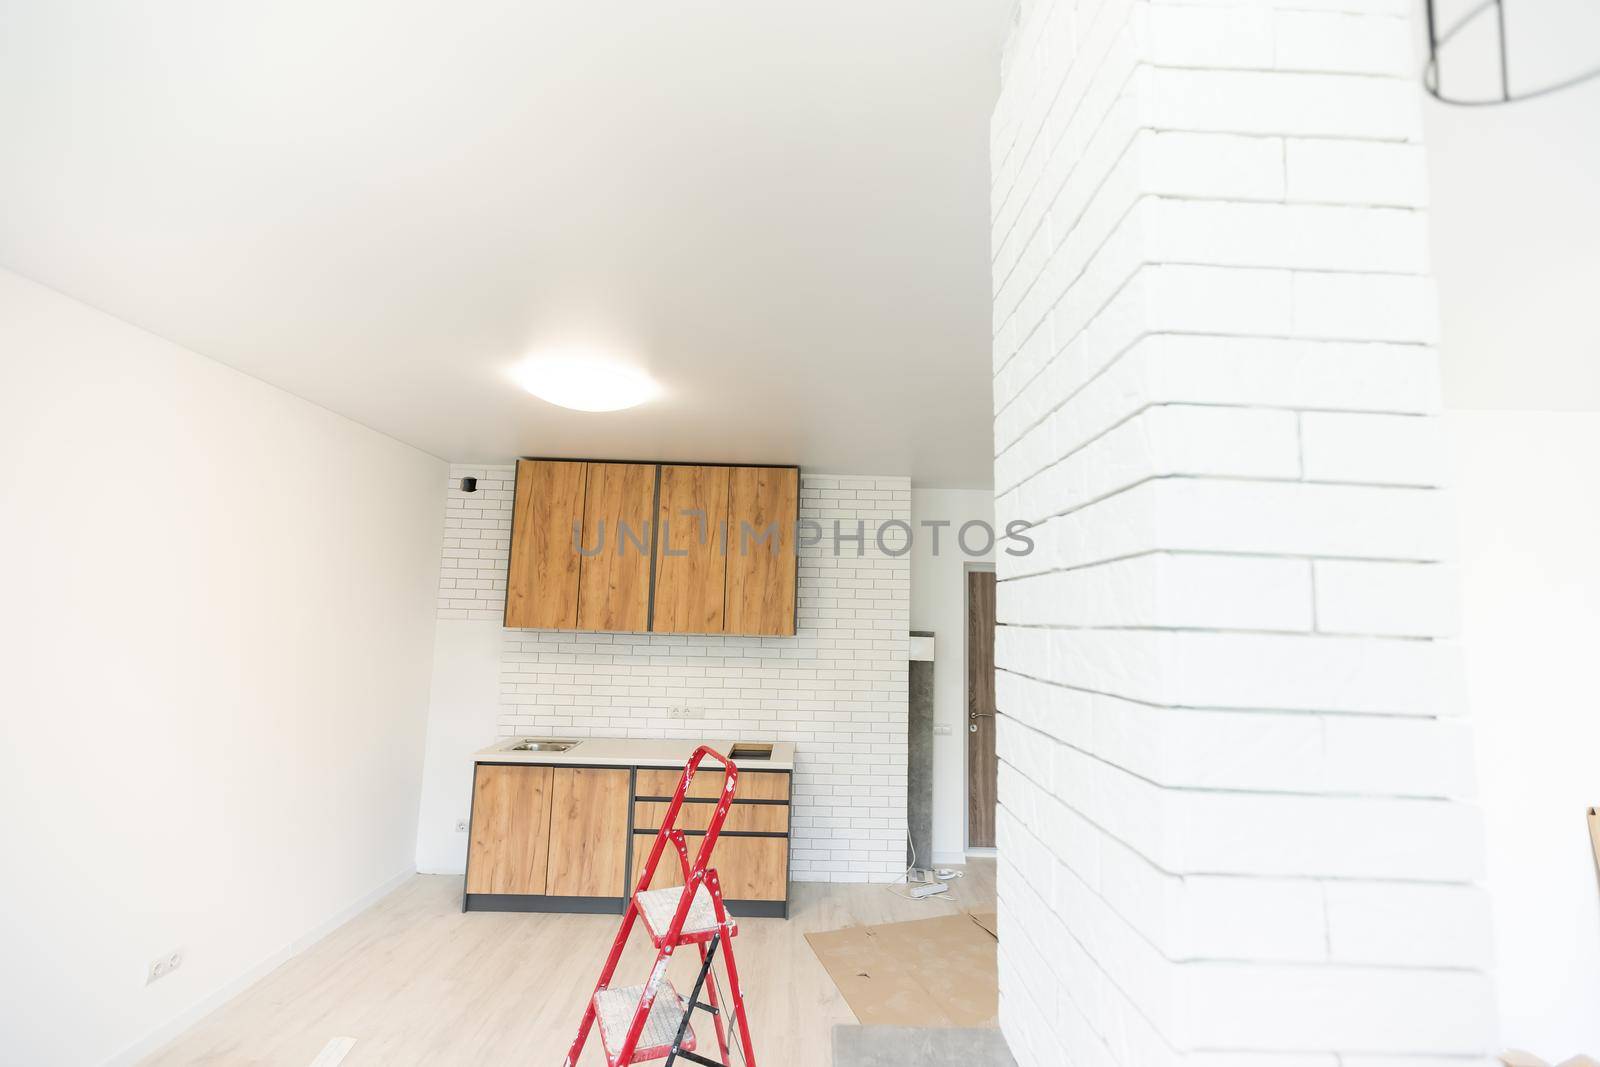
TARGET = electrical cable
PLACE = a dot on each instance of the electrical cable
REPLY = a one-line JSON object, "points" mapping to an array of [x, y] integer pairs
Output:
{"points": [[948, 895]]}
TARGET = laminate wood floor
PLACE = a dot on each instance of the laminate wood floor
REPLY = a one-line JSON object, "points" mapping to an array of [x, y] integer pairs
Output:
{"points": [[415, 981]]}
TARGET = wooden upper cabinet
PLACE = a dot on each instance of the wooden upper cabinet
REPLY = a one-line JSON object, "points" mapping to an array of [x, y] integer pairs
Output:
{"points": [[618, 512], [691, 566], [763, 504], [637, 547], [542, 577]]}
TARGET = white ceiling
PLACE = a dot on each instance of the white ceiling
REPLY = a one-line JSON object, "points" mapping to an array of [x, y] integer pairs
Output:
{"points": [[779, 208]]}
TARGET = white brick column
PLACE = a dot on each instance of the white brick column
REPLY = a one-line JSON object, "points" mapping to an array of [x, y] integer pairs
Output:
{"points": [[1232, 760]]}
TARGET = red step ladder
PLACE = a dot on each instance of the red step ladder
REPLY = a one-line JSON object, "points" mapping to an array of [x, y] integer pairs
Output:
{"points": [[651, 1021]]}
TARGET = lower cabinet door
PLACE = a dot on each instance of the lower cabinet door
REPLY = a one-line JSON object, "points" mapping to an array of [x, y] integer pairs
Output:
{"points": [[510, 839], [749, 868], [588, 833]]}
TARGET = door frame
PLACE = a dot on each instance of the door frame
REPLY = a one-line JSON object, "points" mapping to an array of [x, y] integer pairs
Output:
{"points": [[966, 694]]}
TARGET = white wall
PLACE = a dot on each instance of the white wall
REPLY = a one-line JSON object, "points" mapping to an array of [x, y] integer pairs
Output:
{"points": [[1516, 248], [939, 603], [463, 716], [1529, 506], [1234, 757], [837, 688], [1515, 234], [217, 641]]}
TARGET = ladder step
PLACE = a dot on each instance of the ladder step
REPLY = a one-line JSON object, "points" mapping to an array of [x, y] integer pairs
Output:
{"points": [[657, 906], [614, 1009]]}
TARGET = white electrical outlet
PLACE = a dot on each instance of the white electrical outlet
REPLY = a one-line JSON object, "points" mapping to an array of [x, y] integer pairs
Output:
{"points": [[461, 826], [694, 713], [165, 965], [941, 730], [677, 713]]}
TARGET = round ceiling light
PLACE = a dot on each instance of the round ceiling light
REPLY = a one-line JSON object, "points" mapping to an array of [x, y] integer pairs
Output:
{"points": [[585, 383]]}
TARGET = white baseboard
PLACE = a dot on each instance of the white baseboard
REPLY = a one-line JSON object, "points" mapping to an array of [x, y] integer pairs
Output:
{"points": [[170, 1029], [981, 853]]}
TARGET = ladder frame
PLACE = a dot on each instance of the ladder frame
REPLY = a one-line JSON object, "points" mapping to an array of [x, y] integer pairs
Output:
{"points": [[695, 875]]}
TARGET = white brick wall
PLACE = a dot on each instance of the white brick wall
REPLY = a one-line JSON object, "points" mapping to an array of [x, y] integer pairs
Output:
{"points": [[837, 689], [1231, 818], [477, 543]]}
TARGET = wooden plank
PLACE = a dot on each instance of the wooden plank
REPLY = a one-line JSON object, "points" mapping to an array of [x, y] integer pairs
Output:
{"points": [[754, 818], [763, 507], [982, 765], [614, 584], [750, 868], [509, 840], [691, 565], [588, 833], [542, 575], [752, 785]]}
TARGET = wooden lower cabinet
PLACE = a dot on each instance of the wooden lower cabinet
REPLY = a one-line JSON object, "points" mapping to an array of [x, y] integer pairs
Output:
{"points": [[543, 838], [588, 832], [552, 838], [750, 868], [744, 818], [509, 842], [707, 784]]}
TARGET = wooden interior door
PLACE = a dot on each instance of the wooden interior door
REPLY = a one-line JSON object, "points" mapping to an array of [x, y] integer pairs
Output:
{"points": [[763, 504], [510, 844], [614, 583], [691, 566], [982, 765], [542, 579], [588, 832]]}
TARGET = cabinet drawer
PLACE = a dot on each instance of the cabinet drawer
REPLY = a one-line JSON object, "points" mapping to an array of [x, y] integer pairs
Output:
{"points": [[752, 785], [750, 868], [754, 818]]}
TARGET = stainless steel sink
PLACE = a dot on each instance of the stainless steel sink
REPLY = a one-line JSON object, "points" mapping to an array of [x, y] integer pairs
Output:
{"points": [[535, 745]]}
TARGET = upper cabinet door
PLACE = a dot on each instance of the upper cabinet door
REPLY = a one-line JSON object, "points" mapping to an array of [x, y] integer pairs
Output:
{"points": [[691, 565], [763, 507], [614, 576], [542, 579]]}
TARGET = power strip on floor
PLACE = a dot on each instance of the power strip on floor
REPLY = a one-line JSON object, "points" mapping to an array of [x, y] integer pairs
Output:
{"points": [[934, 889]]}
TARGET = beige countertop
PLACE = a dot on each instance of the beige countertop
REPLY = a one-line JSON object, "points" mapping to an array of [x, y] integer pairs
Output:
{"points": [[633, 752]]}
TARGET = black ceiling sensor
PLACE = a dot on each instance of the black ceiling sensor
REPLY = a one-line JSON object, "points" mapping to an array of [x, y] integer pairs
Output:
{"points": [[469, 485], [1440, 36]]}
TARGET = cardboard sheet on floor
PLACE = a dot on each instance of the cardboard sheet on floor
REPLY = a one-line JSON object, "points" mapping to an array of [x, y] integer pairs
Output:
{"points": [[928, 972]]}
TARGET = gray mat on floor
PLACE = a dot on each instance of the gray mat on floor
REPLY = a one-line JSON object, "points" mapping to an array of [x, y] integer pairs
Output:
{"points": [[897, 1046]]}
